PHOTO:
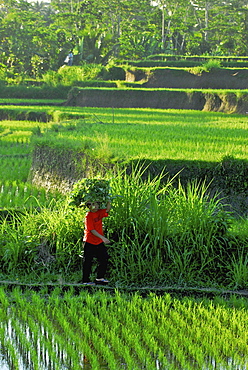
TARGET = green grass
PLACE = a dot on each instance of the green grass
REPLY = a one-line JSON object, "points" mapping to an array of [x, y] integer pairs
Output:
{"points": [[12, 101]]}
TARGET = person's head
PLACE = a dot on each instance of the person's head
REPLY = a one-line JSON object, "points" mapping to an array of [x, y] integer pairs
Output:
{"points": [[93, 206]]}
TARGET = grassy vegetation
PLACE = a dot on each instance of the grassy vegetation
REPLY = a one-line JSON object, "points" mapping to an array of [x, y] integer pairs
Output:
{"points": [[160, 235], [13, 101], [16, 158], [142, 133]]}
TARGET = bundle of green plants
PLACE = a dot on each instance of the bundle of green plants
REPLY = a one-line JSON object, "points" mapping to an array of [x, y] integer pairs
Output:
{"points": [[90, 190]]}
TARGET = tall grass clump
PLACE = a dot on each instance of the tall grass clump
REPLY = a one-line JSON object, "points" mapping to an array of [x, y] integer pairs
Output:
{"points": [[161, 233], [165, 233], [41, 239], [207, 66]]}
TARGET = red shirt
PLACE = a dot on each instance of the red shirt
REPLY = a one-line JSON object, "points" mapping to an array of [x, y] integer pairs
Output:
{"points": [[93, 221]]}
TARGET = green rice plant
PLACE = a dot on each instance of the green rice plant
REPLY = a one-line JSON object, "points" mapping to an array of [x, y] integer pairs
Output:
{"points": [[9, 348], [22, 195], [157, 134], [41, 102], [19, 169], [117, 346], [25, 345]]}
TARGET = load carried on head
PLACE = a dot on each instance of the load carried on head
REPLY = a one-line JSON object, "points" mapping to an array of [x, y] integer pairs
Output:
{"points": [[90, 190]]}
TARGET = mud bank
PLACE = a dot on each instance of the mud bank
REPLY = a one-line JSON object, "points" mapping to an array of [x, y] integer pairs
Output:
{"points": [[161, 99], [182, 79]]}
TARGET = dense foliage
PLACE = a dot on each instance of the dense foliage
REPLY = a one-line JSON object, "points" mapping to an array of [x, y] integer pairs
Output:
{"points": [[37, 36]]}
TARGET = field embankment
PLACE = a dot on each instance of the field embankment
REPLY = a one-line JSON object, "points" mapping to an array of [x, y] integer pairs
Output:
{"points": [[218, 89], [217, 101], [217, 78]]}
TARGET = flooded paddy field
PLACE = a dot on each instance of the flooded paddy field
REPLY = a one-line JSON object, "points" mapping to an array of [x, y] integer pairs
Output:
{"points": [[102, 330]]}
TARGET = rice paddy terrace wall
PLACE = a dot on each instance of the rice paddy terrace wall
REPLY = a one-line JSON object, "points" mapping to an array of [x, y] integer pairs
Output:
{"points": [[59, 168], [217, 78], [160, 98], [199, 90]]}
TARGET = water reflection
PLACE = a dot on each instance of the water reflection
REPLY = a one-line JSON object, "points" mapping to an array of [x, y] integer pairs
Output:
{"points": [[38, 349]]}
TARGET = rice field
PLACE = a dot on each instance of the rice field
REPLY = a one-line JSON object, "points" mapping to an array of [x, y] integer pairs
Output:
{"points": [[100, 330], [161, 134], [20, 195], [16, 191], [148, 133]]}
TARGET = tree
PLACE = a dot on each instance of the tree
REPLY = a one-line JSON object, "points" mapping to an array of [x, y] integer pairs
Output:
{"points": [[36, 36]]}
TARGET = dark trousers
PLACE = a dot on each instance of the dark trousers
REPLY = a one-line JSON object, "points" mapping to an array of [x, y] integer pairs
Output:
{"points": [[99, 252]]}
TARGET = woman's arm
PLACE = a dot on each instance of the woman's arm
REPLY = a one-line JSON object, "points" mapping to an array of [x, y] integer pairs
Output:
{"points": [[96, 233], [108, 207]]}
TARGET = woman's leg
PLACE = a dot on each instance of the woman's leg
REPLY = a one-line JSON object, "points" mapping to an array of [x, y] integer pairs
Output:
{"points": [[102, 259], [89, 253]]}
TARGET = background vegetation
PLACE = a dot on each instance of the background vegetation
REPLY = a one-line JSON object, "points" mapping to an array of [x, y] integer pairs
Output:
{"points": [[37, 36]]}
